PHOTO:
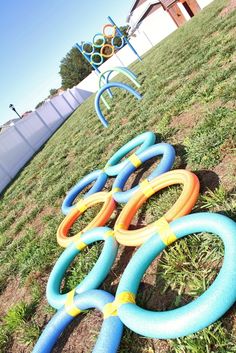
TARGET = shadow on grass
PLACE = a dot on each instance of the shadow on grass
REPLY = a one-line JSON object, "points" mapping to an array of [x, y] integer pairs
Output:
{"points": [[209, 180]]}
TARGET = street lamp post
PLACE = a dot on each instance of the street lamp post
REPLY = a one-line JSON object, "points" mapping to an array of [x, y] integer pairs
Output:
{"points": [[11, 106]]}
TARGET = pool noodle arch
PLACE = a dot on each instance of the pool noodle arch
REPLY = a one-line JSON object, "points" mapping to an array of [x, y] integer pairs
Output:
{"points": [[103, 89], [123, 70]]}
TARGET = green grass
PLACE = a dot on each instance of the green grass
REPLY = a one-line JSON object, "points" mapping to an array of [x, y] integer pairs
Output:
{"points": [[188, 87]]}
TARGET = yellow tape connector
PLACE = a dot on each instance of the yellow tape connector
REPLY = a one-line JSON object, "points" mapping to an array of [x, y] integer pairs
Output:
{"points": [[110, 309], [70, 307], [165, 231], [81, 206], [109, 233], [124, 298], [114, 190], [106, 166], [119, 226], [80, 245], [135, 160], [146, 188]]}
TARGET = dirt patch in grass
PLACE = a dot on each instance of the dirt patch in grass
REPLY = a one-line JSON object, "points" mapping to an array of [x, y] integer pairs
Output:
{"points": [[124, 121], [226, 171], [18, 347], [13, 294], [231, 7], [186, 121], [37, 223]]}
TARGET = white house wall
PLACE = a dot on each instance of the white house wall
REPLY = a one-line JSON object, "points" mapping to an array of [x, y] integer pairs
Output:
{"points": [[204, 3], [157, 26]]}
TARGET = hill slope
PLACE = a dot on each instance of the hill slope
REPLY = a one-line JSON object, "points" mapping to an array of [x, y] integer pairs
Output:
{"points": [[188, 87]]}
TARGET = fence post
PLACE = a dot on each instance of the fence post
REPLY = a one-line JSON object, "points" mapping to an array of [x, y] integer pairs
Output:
{"points": [[24, 138], [44, 122], [55, 108], [5, 171], [67, 102], [82, 99], [73, 96]]}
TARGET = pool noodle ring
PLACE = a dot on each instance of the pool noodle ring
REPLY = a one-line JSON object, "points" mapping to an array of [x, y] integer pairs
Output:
{"points": [[144, 140], [107, 46], [181, 207], [100, 219], [134, 161], [98, 36], [109, 36], [95, 277], [96, 63], [201, 312], [103, 89], [111, 331], [122, 42], [86, 52], [100, 179]]}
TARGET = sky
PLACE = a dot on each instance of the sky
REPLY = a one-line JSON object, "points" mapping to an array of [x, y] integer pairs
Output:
{"points": [[35, 35]]}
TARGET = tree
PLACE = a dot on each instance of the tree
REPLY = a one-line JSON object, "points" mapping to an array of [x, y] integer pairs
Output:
{"points": [[53, 91], [73, 68], [124, 30]]}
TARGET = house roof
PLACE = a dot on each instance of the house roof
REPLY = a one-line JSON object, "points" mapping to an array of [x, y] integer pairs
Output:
{"points": [[150, 9], [10, 122], [136, 3], [150, 6]]}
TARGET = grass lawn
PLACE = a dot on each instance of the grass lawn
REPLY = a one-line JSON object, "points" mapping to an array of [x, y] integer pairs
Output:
{"points": [[189, 90]]}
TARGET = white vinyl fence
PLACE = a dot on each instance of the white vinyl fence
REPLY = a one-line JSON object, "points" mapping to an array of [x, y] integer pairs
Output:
{"points": [[20, 142]]}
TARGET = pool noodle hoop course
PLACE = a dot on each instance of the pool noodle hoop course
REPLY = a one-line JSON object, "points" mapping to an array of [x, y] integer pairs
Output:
{"points": [[153, 238]]}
